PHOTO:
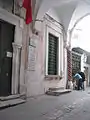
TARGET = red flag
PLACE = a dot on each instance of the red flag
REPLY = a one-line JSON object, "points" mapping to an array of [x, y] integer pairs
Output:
{"points": [[27, 6]]}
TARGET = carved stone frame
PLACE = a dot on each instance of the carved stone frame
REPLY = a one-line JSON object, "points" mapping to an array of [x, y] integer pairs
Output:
{"points": [[17, 47]]}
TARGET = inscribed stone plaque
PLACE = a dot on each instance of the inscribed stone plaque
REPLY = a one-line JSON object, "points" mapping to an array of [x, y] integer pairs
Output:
{"points": [[32, 55]]}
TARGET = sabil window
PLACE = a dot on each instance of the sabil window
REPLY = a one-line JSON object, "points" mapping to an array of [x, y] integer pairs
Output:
{"points": [[52, 54]]}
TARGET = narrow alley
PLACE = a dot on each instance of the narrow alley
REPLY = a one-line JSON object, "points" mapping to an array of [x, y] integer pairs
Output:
{"points": [[71, 106]]}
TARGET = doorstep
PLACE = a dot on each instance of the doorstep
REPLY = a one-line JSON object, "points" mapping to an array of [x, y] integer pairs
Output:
{"points": [[9, 97], [58, 92], [9, 103], [11, 100]]}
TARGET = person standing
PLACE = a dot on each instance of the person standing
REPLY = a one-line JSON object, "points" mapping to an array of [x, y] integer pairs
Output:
{"points": [[83, 79]]}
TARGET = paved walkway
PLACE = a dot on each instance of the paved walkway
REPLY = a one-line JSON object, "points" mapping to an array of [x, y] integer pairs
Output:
{"points": [[71, 106]]}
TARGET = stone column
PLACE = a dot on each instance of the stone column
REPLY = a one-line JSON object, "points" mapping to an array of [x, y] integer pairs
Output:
{"points": [[16, 63], [69, 60], [69, 64]]}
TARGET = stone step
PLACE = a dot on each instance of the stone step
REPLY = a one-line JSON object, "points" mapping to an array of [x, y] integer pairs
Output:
{"points": [[9, 97], [9, 103], [58, 92], [56, 88]]}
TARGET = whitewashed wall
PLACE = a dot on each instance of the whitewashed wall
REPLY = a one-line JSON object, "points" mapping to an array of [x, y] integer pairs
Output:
{"points": [[37, 83]]}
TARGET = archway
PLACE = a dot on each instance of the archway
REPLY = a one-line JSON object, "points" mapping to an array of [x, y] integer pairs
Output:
{"points": [[80, 41], [61, 13], [66, 13]]}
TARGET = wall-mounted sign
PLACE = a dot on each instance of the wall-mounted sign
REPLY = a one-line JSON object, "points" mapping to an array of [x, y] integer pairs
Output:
{"points": [[32, 54], [32, 42], [9, 54]]}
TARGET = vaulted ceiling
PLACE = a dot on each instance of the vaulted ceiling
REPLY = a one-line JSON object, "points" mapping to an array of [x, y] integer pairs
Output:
{"points": [[69, 11]]}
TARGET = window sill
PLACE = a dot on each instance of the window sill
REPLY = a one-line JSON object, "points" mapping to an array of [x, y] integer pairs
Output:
{"points": [[53, 77]]}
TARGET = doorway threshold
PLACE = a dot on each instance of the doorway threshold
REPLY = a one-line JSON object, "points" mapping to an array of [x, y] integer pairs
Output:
{"points": [[10, 97], [11, 103]]}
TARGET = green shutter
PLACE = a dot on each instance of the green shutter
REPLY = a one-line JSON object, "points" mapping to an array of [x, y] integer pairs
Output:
{"points": [[76, 63], [52, 54]]}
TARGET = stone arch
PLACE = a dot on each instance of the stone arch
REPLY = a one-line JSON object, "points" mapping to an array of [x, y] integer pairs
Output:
{"points": [[46, 5], [69, 32], [79, 20]]}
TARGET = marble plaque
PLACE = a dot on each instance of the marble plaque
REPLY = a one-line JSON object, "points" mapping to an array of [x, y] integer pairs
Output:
{"points": [[31, 58]]}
